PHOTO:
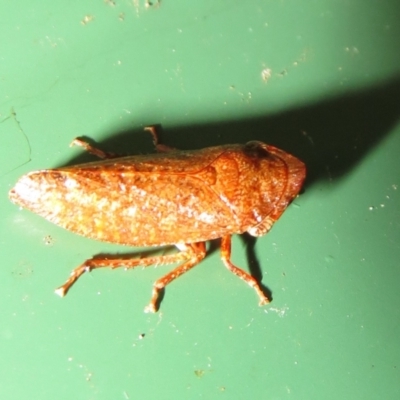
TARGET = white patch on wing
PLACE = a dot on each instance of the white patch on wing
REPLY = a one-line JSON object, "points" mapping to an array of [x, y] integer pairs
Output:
{"points": [[70, 183]]}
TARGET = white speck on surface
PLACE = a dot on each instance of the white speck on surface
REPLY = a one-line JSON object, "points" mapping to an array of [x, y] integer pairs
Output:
{"points": [[280, 311], [266, 74], [86, 19]]}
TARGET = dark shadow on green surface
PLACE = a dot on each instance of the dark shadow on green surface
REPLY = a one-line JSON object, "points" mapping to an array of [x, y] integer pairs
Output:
{"points": [[253, 263], [331, 137]]}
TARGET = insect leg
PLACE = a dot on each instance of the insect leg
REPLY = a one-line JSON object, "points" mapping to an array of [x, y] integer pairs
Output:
{"points": [[93, 263], [196, 252], [161, 148], [226, 255], [93, 150]]}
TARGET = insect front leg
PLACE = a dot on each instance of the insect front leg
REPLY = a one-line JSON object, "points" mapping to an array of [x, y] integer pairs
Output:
{"points": [[226, 255]]}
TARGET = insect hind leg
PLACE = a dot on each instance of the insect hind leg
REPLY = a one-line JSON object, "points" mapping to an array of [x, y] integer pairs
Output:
{"points": [[93, 150], [160, 148], [190, 255]]}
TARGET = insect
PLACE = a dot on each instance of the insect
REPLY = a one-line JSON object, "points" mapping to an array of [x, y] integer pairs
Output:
{"points": [[172, 197]]}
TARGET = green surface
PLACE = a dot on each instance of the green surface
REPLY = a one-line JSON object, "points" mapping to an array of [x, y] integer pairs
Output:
{"points": [[331, 262]]}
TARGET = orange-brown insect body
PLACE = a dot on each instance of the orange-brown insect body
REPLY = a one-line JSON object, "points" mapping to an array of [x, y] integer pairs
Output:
{"points": [[179, 197], [161, 199]]}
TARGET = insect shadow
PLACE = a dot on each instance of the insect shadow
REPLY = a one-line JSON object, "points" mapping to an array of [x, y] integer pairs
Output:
{"points": [[253, 262]]}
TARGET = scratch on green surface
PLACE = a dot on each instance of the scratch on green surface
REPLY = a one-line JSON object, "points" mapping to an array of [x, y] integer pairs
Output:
{"points": [[15, 147]]}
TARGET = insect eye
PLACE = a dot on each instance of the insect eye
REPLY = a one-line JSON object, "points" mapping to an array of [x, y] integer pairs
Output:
{"points": [[256, 149]]}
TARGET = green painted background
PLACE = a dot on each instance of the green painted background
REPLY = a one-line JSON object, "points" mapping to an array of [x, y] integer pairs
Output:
{"points": [[330, 95]]}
